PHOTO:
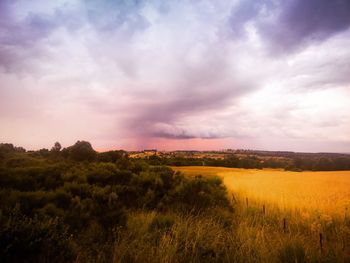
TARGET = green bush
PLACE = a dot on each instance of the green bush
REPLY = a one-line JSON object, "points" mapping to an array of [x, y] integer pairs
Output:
{"points": [[24, 239], [70, 205], [198, 193], [80, 151]]}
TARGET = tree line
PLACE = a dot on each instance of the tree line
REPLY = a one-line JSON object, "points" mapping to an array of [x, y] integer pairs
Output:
{"points": [[296, 162]]}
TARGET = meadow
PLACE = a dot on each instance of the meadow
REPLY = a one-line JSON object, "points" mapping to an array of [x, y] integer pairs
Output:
{"points": [[308, 210], [321, 191]]}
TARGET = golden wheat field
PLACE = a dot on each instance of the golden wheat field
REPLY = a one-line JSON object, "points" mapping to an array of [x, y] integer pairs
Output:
{"points": [[326, 192]]}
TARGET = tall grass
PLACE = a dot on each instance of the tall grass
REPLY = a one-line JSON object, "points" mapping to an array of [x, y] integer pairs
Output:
{"points": [[246, 235], [155, 237], [298, 241]]}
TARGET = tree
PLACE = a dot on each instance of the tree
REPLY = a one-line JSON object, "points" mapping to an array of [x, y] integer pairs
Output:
{"points": [[57, 147], [111, 156], [80, 151]]}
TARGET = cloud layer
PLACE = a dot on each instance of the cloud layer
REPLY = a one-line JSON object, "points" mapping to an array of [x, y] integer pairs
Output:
{"points": [[177, 74]]}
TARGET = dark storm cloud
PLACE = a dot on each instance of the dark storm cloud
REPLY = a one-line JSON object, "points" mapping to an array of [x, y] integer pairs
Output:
{"points": [[182, 135], [169, 110], [291, 24], [158, 117], [301, 22]]}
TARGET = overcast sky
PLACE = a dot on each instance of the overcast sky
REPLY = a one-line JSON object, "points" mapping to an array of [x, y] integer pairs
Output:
{"points": [[257, 74]]}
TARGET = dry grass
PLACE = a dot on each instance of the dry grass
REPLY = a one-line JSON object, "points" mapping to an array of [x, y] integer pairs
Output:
{"points": [[311, 203], [249, 234], [322, 192], [251, 237], [188, 238]]}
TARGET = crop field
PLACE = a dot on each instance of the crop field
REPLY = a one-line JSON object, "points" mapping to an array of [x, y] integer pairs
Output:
{"points": [[323, 192], [296, 213]]}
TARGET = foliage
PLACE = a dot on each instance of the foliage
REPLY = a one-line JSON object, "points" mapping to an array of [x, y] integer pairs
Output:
{"points": [[78, 205], [66, 205], [80, 151], [256, 160], [26, 239]]}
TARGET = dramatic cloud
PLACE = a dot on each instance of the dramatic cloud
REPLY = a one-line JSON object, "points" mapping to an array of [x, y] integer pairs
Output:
{"points": [[291, 24], [176, 74], [306, 21]]}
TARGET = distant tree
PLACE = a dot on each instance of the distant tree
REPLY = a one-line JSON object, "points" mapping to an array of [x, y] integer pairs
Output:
{"points": [[80, 151], [111, 156], [8, 148], [20, 149], [57, 147], [324, 164], [342, 163], [43, 152]]}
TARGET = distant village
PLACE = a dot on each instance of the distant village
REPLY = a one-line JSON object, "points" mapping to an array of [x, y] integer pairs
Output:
{"points": [[184, 154]]}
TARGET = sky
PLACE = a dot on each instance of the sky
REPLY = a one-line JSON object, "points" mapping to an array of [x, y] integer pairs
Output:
{"points": [[195, 74]]}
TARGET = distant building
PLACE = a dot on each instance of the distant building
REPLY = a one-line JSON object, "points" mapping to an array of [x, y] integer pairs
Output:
{"points": [[150, 151]]}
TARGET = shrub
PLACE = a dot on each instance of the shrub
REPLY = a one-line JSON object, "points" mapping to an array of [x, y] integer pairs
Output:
{"points": [[199, 193], [80, 151], [25, 239]]}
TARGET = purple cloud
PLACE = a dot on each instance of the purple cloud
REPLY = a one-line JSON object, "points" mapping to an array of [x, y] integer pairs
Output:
{"points": [[115, 72], [292, 24], [302, 22]]}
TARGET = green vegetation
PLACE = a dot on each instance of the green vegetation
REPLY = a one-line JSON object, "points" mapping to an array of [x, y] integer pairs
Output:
{"points": [[258, 160], [77, 205]]}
